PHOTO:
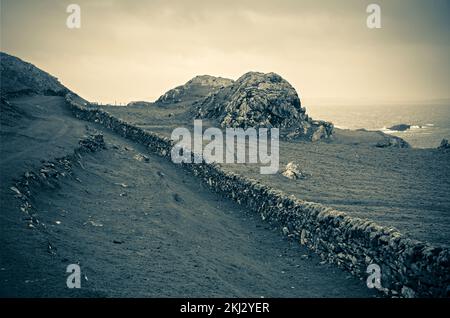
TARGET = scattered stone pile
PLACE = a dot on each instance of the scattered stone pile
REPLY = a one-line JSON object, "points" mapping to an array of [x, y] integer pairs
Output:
{"points": [[263, 100], [91, 143], [409, 268], [49, 173]]}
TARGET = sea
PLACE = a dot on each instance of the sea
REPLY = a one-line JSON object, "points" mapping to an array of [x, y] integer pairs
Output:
{"points": [[430, 122]]}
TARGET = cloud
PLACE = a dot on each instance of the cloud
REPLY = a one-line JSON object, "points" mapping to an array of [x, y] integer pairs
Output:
{"points": [[133, 49]]}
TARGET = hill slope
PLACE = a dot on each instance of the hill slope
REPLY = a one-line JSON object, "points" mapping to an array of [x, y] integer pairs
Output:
{"points": [[197, 88], [19, 77]]}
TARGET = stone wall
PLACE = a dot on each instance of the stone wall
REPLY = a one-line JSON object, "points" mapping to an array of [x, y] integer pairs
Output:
{"points": [[409, 268]]}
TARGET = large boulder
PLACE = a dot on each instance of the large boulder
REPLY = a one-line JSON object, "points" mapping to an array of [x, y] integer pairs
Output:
{"points": [[263, 100], [197, 88], [292, 171], [391, 142]]}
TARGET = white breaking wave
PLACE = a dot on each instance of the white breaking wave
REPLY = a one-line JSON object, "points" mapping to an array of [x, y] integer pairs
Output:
{"points": [[341, 127]]}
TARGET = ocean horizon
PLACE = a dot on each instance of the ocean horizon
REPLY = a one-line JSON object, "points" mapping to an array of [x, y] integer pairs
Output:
{"points": [[430, 122]]}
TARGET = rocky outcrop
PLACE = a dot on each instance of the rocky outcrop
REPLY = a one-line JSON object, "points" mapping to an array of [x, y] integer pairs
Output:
{"points": [[197, 88], [444, 146], [263, 100], [400, 127], [20, 77]]}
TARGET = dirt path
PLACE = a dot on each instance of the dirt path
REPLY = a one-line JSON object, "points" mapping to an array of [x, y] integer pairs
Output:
{"points": [[48, 132], [148, 229]]}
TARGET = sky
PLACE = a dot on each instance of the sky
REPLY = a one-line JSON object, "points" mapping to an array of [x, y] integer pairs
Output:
{"points": [[131, 50]]}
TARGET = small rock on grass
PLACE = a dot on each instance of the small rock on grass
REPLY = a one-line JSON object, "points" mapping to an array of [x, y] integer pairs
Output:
{"points": [[141, 157], [177, 197], [292, 171]]}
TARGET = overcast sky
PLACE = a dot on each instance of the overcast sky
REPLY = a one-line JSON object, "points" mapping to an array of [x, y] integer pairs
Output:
{"points": [[136, 50]]}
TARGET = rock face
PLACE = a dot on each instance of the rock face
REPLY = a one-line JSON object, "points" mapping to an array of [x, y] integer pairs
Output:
{"points": [[197, 88], [20, 77], [444, 146], [263, 100]]}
